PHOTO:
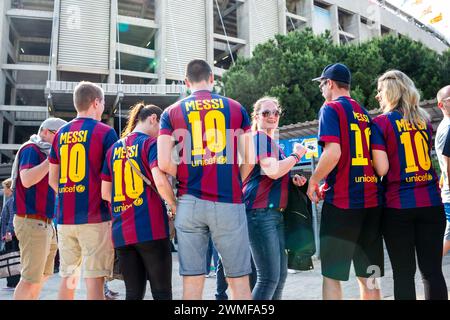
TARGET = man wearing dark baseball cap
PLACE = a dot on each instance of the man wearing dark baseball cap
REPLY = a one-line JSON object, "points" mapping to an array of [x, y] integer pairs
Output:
{"points": [[351, 213], [336, 72]]}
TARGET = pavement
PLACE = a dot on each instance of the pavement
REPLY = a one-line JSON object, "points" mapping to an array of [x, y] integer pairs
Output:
{"points": [[305, 285]]}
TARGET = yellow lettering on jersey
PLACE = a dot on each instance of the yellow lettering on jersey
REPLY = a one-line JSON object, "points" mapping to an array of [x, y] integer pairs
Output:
{"points": [[132, 151], [198, 105], [73, 137], [361, 117], [404, 125]]}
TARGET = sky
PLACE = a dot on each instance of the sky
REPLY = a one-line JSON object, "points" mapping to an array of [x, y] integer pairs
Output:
{"points": [[425, 10]]}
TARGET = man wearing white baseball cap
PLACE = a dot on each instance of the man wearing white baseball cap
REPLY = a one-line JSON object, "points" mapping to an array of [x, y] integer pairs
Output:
{"points": [[35, 203]]}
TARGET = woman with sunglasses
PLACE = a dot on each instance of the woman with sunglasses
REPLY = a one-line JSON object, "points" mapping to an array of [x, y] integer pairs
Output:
{"points": [[265, 192], [413, 220], [140, 225]]}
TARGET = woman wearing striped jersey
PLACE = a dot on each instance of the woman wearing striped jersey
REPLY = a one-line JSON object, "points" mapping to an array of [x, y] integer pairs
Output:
{"points": [[413, 220], [140, 225], [265, 192]]}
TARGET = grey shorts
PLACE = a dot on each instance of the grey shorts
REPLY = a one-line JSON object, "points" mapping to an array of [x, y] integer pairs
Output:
{"points": [[196, 220], [447, 232]]}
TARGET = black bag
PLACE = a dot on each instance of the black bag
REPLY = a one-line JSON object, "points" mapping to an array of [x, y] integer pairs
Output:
{"points": [[9, 259], [299, 233]]}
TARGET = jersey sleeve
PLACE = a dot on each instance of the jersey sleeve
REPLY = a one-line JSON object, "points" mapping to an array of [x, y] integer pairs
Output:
{"points": [[153, 155], [446, 151], [377, 140], [246, 124], [165, 126], [29, 158], [110, 139], [329, 130], [106, 169], [54, 156]]}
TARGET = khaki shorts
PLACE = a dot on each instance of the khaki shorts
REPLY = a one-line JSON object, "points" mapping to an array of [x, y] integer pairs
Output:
{"points": [[37, 244], [88, 247]]}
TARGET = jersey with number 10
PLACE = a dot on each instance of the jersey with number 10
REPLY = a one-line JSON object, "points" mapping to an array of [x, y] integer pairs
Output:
{"points": [[138, 212], [352, 184], [411, 181], [207, 127], [79, 148]]}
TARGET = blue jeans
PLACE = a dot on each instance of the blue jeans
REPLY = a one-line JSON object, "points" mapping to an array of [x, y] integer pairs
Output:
{"points": [[266, 233], [222, 285]]}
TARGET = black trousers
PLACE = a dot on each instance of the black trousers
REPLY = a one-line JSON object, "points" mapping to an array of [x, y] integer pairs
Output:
{"points": [[150, 260], [420, 231], [12, 282]]}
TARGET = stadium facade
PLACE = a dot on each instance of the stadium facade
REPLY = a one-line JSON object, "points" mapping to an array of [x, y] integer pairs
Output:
{"points": [[137, 49]]}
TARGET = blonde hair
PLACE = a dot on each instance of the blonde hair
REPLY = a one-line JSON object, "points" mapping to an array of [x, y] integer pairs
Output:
{"points": [[400, 94], [140, 112], [7, 183], [257, 108]]}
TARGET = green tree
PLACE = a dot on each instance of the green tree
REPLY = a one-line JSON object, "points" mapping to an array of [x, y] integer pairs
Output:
{"points": [[284, 66]]}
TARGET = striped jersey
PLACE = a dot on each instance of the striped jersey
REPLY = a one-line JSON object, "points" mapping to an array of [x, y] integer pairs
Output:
{"points": [[79, 148], [38, 199], [352, 184], [260, 191], [411, 181], [138, 213], [206, 127]]}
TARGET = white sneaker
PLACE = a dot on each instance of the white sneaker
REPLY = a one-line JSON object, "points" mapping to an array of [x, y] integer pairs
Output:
{"points": [[292, 271]]}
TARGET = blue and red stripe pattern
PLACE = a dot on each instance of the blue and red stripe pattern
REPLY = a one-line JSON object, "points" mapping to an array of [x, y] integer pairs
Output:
{"points": [[260, 191], [411, 181], [138, 213], [206, 127], [79, 148], [352, 184], [38, 199]]}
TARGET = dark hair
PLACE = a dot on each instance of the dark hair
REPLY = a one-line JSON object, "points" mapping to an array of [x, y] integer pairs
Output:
{"points": [[342, 85], [198, 70], [85, 93], [140, 112]]}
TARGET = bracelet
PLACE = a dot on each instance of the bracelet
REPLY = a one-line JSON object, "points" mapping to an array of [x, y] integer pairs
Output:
{"points": [[296, 156]]}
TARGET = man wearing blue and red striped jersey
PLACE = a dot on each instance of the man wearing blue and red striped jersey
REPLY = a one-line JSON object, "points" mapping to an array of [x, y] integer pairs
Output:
{"points": [[350, 220], [34, 201], [211, 132], [84, 226]]}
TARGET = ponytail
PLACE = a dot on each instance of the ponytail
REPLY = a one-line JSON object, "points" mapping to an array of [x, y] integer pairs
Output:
{"points": [[140, 112]]}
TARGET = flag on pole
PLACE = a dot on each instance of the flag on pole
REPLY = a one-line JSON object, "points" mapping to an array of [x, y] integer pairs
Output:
{"points": [[436, 19], [426, 11]]}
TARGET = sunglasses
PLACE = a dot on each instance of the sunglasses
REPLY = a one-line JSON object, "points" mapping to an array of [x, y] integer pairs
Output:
{"points": [[52, 131], [267, 113], [322, 84]]}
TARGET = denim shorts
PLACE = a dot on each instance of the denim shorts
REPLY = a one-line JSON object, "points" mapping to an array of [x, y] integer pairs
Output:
{"points": [[196, 220]]}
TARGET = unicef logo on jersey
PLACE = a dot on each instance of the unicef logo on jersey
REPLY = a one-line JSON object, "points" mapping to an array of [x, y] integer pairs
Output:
{"points": [[80, 188], [138, 202]]}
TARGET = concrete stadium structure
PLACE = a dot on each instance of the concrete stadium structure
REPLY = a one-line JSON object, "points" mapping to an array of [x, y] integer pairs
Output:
{"points": [[137, 49]]}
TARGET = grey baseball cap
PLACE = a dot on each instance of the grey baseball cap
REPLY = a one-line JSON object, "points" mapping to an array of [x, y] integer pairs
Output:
{"points": [[52, 124]]}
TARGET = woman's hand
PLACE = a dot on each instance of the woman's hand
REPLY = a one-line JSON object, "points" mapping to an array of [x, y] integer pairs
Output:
{"points": [[299, 149], [299, 180]]}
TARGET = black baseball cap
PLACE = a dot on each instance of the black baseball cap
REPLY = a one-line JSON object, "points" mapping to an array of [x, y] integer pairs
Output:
{"points": [[337, 72]]}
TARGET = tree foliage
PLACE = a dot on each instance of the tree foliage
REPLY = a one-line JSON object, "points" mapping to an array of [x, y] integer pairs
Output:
{"points": [[283, 67]]}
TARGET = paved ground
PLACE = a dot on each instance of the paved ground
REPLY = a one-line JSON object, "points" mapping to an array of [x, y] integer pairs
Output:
{"points": [[301, 285]]}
